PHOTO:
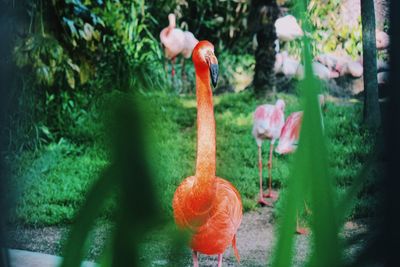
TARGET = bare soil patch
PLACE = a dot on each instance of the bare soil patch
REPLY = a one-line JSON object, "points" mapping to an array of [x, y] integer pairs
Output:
{"points": [[255, 241]]}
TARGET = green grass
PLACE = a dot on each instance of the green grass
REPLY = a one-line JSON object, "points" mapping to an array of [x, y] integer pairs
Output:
{"points": [[52, 181]]}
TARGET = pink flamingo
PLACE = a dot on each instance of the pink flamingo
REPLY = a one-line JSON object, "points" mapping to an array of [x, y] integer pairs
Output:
{"points": [[268, 123], [287, 28], [288, 143], [289, 136], [287, 65], [341, 65], [176, 41], [382, 40]]}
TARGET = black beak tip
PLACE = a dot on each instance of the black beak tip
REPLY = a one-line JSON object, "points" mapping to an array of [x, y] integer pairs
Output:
{"points": [[214, 74]]}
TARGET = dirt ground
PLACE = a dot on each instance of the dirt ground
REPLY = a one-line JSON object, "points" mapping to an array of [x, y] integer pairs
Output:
{"points": [[255, 242]]}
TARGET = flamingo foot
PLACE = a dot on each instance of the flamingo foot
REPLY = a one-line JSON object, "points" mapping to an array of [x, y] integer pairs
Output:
{"points": [[272, 195], [219, 260], [263, 203], [195, 259], [301, 231]]}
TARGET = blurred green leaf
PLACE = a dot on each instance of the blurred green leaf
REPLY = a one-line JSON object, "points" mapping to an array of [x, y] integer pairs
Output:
{"points": [[69, 75]]}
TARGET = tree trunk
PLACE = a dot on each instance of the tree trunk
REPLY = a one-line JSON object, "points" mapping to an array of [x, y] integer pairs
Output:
{"points": [[372, 116], [262, 17]]}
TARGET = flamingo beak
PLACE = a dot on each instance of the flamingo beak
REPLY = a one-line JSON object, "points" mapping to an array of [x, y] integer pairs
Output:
{"points": [[214, 74], [213, 65]]}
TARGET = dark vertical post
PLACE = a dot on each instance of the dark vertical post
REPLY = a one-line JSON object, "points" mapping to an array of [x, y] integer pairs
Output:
{"points": [[384, 235], [391, 208], [372, 115]]}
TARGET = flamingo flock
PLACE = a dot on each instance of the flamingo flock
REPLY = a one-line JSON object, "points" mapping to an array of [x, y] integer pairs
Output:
{"points": [[325, 66]]}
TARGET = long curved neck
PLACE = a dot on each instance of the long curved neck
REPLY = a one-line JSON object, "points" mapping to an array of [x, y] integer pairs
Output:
{"points": [[205, 166], [172, 21]]}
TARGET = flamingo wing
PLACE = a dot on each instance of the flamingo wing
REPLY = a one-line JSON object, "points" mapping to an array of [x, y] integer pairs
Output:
{"points": [[290, 134]]}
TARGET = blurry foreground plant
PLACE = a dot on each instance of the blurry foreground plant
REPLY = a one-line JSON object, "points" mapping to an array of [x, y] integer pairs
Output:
{"points": [[138, 210], [128, 174], [310, 177]]}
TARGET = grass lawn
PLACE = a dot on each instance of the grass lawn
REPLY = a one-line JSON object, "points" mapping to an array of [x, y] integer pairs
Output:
{"points": [[51, 182]]}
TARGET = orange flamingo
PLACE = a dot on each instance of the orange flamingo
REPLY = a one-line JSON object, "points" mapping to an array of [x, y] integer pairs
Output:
{"points": [[209, 206], [268, 123]]}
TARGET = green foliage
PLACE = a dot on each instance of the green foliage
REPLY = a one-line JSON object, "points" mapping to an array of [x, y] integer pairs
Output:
{"points": [[328, 33], [221, 22], [45, 55], [72, 53], [311, 180], [49, 189]]}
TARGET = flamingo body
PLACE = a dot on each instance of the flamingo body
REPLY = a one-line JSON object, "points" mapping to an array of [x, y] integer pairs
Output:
{"points": [[190, 43], [290, 134], [287, 28], [173, 40], [268, 122], [382, 40], [287, 65], [214, 232], [323, 72], [355, 69], [177, 41], [341, 65]]}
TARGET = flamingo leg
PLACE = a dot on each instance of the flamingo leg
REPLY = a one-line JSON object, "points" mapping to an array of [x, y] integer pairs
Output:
{"points": [[261, 199], [300, 230], [219, 260], [307, 208], [165, 65], [173, 67], [195, 259], [184, 78], [271, 194]]}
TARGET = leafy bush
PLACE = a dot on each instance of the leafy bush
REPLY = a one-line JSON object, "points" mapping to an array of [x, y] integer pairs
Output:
{"points": [[328, 33]]}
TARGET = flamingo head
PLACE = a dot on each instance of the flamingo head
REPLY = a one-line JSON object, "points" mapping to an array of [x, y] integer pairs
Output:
{"points": [[204, 60], [172, 20]]}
